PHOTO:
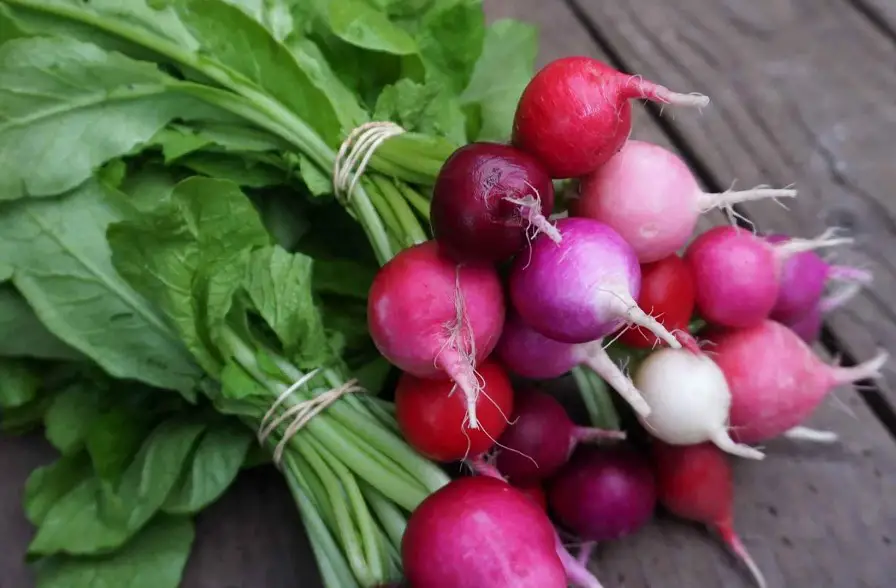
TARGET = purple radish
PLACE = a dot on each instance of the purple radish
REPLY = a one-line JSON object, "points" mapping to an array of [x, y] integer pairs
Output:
{"points": [[808, 326]]}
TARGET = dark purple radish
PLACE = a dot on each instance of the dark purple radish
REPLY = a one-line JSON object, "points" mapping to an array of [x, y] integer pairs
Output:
{"points": [[602, 495], [488, 201], [583, 288], [540, 438], [530, 354], [803, 279]]}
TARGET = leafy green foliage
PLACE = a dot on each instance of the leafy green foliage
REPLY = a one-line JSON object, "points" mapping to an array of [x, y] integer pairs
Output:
{"points": [[18, 383]]}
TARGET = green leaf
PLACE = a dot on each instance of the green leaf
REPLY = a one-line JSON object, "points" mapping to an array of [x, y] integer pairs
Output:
{"points": [[63, 269], [155, 558], [345, 278], [451, 41], [237, 384], [18, 383], [68, 107], [359, 23], [23, 335], [431, 108], [250, 170], [275, 15], [149, 187], [501, 74], [280, 287], [215, 464], [48, 484], [176, 143], [114, 439], [318, 183], [71, 416]]}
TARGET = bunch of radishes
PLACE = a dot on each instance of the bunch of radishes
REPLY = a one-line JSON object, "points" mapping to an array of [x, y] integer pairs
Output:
{"points": [[456, 318]]}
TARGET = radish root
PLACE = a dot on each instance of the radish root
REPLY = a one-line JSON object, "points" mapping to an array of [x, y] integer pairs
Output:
{"points": [[530, 209], [711, 200], [586, 551], [839, 298], [734, 543], [863, 371], [600, 362], [576, 572], [789, 248], [651, 91], [855, 275], [800, 433], [724, 442], [629, 309], [592, 434]]}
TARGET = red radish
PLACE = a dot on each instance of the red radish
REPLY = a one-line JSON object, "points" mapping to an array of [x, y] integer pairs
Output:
{"points": [[532, 355], [540, 438], [433, 318], [737, 274], [694, 483], [803, 279], [479, 532], [432, 418], [604, 494], [583, 288], [486, 199], [575, 113], [667, 292], [650, 197], [776, 380], [689, 400], [536, 493], [808, 326]]}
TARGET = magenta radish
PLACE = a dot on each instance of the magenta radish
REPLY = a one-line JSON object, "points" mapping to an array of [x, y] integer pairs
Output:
{"points": [[540, 438], [803, 279], [530, 354], [583, 288], [648, 195], [488, 199], [776, 380], [575, 113], [808, 326], [737, 274], [689, 400], [694, 482], [433, 318], [603, 494]]}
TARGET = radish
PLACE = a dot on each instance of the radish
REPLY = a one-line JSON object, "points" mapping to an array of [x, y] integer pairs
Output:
{"points": [[486, 199], [776, 380], [583, 288], [536, 493], [604, 494], [433, 318], [808, 326], [575, 113], [694, 483], [650, 197], [689, 400], [803, 279], [667, 290], [432, 419], [737, 274], [541, 438], [530, 354]]}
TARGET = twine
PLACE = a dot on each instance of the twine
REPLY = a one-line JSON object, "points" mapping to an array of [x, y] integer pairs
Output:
{"points": [[301, 413], [355, 153]]}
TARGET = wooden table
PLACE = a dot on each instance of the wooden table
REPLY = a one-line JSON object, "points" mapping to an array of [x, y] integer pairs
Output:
{"points": [[802, 92]]}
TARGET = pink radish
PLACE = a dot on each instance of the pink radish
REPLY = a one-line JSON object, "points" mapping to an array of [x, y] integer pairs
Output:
{"points": [[433, 318], [487, 198], [540, 438], [694, 483], [530, 354], [575, 113], [737, 274], [689, 400], [583, 288], [650, 197], [776, 380]]}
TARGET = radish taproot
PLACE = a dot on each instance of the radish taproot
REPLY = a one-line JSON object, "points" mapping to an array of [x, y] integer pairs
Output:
{"points": [[530, 354], [689, 400], [431, 317], [650, 197], [540, 438], [694, 482], [487, 200], [737, 274], [583, 288], [575, 113], [432, 418], [603, 494], [776, 380]]}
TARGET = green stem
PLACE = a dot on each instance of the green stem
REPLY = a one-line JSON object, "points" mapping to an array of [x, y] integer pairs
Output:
{"points": [[595, 395], [417, 200], [386, 213], [392, 520], [412, 231]]}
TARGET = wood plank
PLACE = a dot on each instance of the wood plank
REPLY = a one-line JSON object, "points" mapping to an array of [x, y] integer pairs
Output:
{"points": [[881, 14]]}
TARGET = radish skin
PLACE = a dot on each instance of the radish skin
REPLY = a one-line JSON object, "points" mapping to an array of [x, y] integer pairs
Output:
{"points": [[788, 387]]}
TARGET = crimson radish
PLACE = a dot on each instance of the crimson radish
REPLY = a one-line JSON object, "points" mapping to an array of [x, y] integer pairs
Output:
{"points": [[432, 418], [532, 355], [689, 400], [776, 380], [535, 492], [540, 438], [694, 483], [583, 288], [575, 113], [486, 200], [650, 197], [737, 274], [433, 318], [604, 494]]}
